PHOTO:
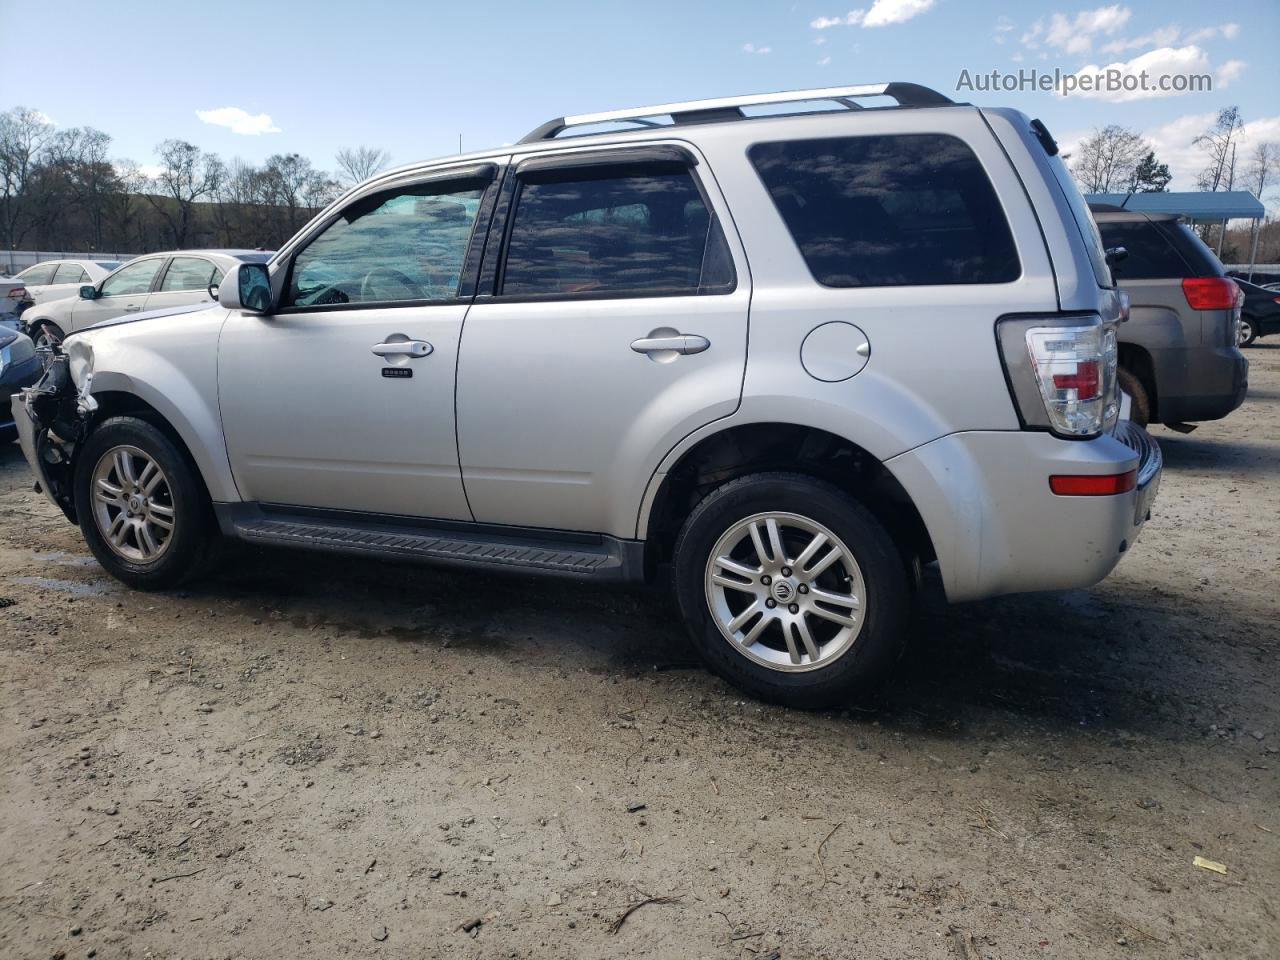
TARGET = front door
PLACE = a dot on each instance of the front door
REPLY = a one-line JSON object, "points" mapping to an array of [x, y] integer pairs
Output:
{"points": [[343, 398], [617, 324], [125, 291]]}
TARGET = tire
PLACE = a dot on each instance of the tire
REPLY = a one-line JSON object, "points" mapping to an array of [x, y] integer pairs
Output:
{"points": [[1140, 409], [177, 498], [43, 332], [852, 658], [1248, 332]]}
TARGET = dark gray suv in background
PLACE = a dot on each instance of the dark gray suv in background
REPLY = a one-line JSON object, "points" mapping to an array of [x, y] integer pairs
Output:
{"points": [[1179, 359]]}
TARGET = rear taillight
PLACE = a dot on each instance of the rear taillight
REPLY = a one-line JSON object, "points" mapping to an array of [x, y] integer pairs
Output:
{"points": [[1075, 368], [1211, 293], [18, 293]]}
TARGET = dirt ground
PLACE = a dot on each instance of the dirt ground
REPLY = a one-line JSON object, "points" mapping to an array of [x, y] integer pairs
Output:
{"points": [[317, 757]]}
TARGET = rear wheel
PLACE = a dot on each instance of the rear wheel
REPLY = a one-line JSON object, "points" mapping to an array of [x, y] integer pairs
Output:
{"points": [[791, 589], [1248, 332], [1140, 408], [142, 508]]}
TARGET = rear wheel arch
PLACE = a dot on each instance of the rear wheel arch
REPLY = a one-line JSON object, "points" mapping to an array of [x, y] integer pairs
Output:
{"points": [[747, 449]]}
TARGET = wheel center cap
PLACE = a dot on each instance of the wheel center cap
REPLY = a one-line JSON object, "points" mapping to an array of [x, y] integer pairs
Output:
{"points": [[782, 591], [136, 503]]}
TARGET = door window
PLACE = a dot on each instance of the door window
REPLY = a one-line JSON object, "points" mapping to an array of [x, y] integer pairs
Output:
{"points": [[133, 279], [41, 273], [187, 273], [889, 211], [407, 244], [638, 231], [70, 273]]}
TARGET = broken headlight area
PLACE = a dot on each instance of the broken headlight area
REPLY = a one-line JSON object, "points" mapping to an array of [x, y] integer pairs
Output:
{"points": [[61, 414]]}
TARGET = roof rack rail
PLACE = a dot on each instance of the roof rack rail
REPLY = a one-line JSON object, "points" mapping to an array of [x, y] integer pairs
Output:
{"points": [[730, 108]]}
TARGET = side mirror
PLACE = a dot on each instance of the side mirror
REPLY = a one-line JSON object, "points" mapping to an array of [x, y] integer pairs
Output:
{"points": [[1115, 255], [88, 292], [246, 288]]}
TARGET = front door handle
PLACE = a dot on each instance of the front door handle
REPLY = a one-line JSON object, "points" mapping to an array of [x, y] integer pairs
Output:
{"points": [[132, 308], [413, 349], [681, 343]]}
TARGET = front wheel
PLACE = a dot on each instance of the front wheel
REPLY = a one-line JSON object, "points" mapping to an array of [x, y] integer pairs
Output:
{"points": [[791, 590], [46, 334], [142, 508], [1248, 332]]}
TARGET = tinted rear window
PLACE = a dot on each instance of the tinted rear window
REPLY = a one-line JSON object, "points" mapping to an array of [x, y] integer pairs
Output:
{"points": [[1151, 256], [1203, 261], [889, 211]]}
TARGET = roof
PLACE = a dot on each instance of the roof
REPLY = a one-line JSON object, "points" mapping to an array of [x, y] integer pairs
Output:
{"points": [[1197, 207]]}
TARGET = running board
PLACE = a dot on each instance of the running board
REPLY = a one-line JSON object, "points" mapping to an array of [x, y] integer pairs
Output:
{"points": [[457, 544]]}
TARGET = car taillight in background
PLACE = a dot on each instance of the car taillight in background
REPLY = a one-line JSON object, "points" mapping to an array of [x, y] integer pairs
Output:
{"points": [[17, 293], [1063, 372], [1211, 293]]}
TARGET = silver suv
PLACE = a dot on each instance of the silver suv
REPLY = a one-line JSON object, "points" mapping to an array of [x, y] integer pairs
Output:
{"points": [[788, 349]]}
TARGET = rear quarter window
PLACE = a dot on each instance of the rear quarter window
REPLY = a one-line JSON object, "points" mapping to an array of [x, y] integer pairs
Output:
{"points": [[889, 211]]}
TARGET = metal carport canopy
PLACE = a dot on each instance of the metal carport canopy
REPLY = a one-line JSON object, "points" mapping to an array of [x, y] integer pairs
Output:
{"points": [[1197, 207]]}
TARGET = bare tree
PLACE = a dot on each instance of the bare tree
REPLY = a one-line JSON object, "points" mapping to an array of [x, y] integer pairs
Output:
{"points": [[1109, 159], [23, 135], [357, 164], [1264, 168], [1220, 141], [79, 156], [187, 174]]}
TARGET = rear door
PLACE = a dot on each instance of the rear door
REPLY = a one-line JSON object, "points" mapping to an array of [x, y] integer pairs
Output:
{"points": [[611, 322]]}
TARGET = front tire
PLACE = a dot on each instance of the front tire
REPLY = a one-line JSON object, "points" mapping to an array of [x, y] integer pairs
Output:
{"points": [[142, 508], [46, 334], [1248, 332], [791, 590]]}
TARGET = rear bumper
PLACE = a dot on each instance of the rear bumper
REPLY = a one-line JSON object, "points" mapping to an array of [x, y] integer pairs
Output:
{"points": [[1198, 384], [996, 526]]}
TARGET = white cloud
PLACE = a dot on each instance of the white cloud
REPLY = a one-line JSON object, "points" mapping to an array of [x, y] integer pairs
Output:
{"points": [[1229, 72], [752, 48], [1002, 26], [239, 121], [1174, 144], [1171, 62], [1160, 37], [824, 61], [885, 12], [1227, 30], [1076, 34], [882, 14], [850, 19]]}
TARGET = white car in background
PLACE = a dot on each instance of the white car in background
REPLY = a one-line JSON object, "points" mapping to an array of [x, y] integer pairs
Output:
{"points": [[55, 279], [174, 279]]}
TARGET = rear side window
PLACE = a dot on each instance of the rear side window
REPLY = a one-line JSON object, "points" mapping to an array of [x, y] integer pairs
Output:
{"points": [[889, 211], [187, 273], [1150, 256], [70, 273], [638, 231]]}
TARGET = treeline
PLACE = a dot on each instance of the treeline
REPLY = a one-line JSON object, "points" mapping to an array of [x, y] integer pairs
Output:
{"points": [[60, 189]]}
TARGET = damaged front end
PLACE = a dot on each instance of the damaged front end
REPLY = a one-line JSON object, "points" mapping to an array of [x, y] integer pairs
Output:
{"points": [[54, 417]]}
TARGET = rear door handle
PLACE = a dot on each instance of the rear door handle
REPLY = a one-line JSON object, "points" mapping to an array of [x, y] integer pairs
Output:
{"points": [[682, 343], [413, 349], [132, 308]]}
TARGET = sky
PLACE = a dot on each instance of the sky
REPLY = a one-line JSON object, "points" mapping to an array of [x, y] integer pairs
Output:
{"points": [[252, 79]]}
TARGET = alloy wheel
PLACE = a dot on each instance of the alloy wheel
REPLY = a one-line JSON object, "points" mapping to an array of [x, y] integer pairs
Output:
{"points": [[132, 504], [785, 591]]}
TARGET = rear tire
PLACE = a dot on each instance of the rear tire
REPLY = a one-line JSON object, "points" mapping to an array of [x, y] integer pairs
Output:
{"points": [[1140, 408], [142, 507], [850, 610]]}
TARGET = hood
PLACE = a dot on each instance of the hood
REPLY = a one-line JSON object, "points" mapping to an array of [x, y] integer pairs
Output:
{"points": [[148, 315]]}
